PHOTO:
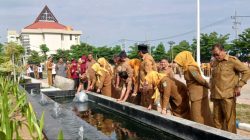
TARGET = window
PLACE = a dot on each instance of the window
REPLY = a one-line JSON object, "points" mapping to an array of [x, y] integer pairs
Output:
{"points": [[70, 37], [62, 37]]}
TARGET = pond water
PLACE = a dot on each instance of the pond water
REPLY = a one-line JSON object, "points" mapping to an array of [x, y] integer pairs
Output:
{"points": [[112, 124]]}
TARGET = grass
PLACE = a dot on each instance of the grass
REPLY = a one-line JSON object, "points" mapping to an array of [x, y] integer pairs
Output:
{"points": [[243, 113]]}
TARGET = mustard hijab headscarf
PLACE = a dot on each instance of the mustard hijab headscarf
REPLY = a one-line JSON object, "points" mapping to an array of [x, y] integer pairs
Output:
{"points": [[185, 59], [135, 64], [154, 78], [102, 61], [97, 68]]}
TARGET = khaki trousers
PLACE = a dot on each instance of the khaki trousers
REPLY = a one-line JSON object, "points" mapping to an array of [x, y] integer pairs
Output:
{"points": [[225, 114], [200, 112], [49, 75]]}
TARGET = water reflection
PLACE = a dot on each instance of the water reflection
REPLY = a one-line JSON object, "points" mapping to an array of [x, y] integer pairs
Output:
{"points": [[105, 124], [112, 124]]}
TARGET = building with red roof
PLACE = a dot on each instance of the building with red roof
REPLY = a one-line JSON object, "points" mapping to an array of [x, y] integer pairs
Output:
{"points": [[47, 30]]}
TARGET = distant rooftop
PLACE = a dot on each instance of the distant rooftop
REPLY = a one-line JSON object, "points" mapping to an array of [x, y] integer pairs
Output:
{"points": [[46, 20]]}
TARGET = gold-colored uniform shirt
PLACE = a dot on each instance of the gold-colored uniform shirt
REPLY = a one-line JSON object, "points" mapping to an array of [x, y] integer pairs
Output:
{"points": [[226, 76]]}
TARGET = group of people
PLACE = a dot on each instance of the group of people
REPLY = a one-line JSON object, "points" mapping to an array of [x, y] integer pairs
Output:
{"points": [[34, 71], [55, 69], [143, 82]]}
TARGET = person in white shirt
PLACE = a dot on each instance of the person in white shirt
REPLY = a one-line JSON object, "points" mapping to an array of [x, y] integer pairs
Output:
{"points": [[53, 72], [40, 71]]}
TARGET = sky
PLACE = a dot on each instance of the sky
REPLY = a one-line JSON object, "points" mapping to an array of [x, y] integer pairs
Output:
{"points": [[106, 22]]}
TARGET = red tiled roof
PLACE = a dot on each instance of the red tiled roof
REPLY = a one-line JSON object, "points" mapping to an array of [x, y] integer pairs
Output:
{"points": [[46, 25]]}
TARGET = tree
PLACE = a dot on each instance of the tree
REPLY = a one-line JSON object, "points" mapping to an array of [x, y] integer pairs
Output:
{"points": [[133, 52], [1, 48], [104, 51], [34, 58], [241, 46], [44, 49], [182, 46], [12, 57], [206, 43], [64, 54], [83, 49], [159, 52]]}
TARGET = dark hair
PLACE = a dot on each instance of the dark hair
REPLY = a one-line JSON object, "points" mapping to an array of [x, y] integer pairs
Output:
{"points": [[217, 45], [123, 54], [123, 74], [144, 51], [143, 48]]}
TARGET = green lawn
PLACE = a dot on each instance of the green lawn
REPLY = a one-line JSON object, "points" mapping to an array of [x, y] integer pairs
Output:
{"points": [[243, 113]]}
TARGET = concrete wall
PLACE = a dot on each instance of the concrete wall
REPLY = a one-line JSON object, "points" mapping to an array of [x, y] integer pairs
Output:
{"points": [[173, 125]]}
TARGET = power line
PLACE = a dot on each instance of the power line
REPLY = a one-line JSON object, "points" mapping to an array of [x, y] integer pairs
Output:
{"points": [[236, 23], [185, 33]]}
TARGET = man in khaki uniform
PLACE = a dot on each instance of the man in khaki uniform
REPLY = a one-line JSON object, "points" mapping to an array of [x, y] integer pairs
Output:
{"points": [[49, 71], [126, 88], [124, 63], [148, 64], [125, 66], [226, 83], [165, 68], [91, 73], [115, 78]]}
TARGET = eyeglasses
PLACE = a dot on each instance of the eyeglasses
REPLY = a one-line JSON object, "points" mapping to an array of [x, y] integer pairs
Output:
{"points": [[216, 54]]}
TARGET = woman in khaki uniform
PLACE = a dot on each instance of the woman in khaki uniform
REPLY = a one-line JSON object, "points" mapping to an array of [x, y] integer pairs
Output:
{"points": [[104, 80], [104, 64], [169, 91], [197, 87]]}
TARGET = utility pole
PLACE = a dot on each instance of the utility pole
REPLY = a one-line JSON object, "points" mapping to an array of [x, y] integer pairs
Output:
{"points": [[123, 44], [146, 42], [198, 57], [236, 23], [171, 43]]}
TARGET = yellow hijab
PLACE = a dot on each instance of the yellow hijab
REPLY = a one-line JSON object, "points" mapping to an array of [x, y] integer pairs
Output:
{"points": [[135, 64], [185, 59], [154, 78], [98, 69], [102, 61]]}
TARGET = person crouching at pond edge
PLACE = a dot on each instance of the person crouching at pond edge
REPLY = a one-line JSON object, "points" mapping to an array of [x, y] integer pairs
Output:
{"points": [[169, 91], [126, 87], [104, 80]]}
